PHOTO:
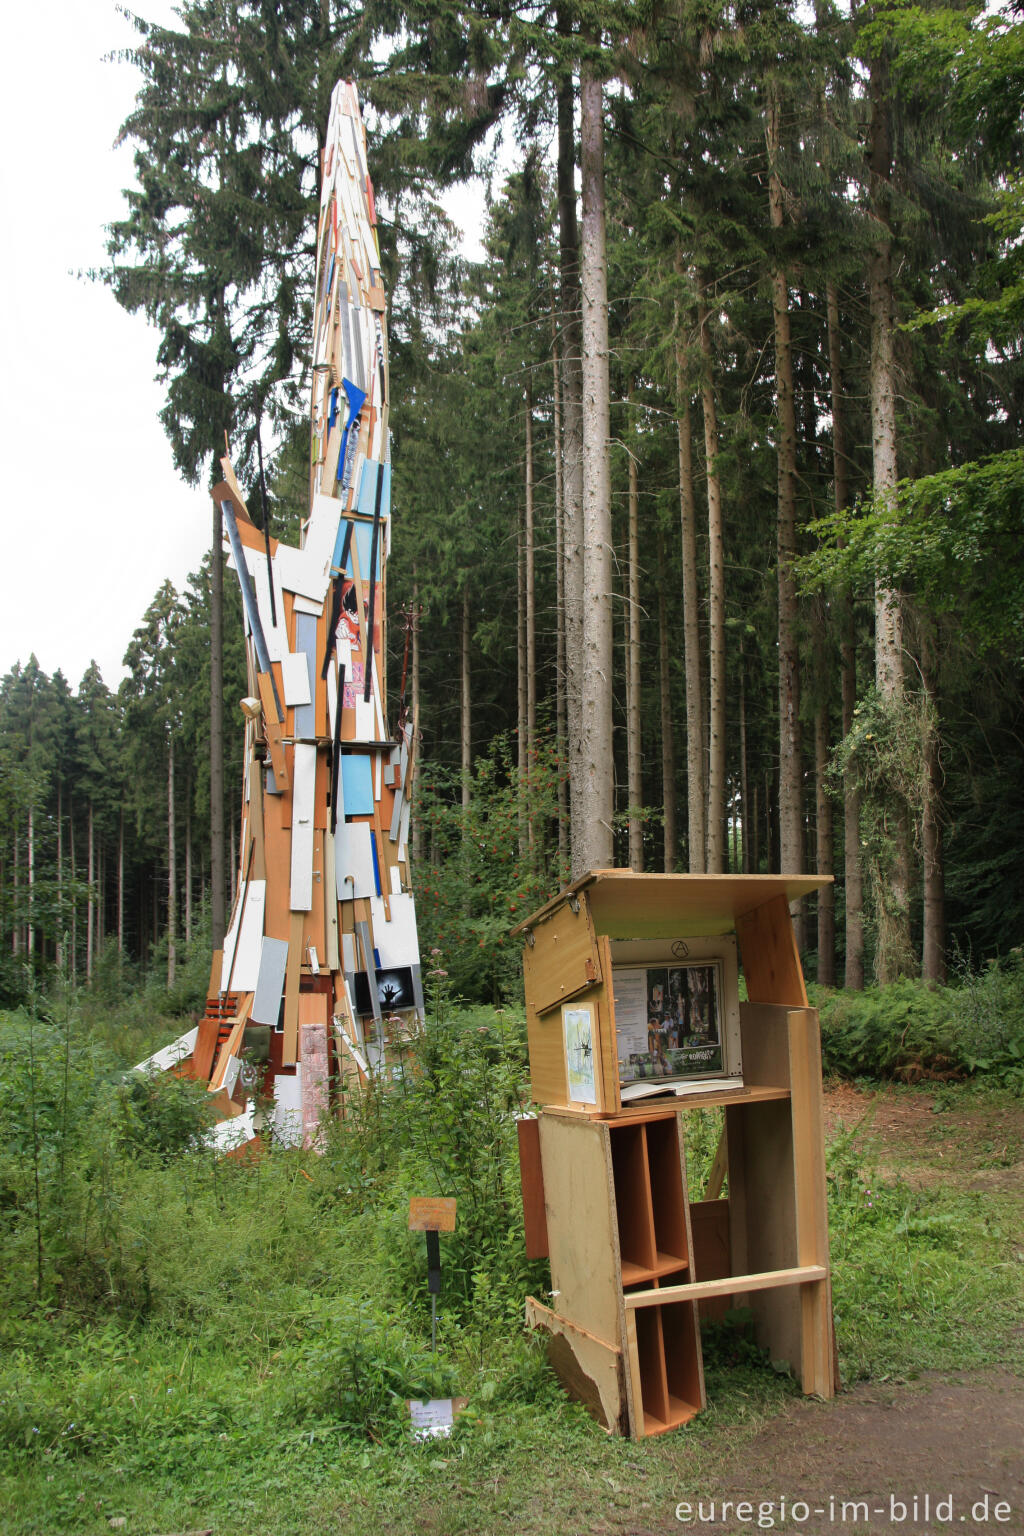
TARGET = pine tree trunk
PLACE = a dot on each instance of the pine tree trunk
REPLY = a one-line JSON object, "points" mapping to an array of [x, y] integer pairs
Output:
{"points": [[572, 412], [522, 735], [634, 779], [218, 883], [716, 602], [790, 774], [30, 936], [120, 883], [188, 870], [593, 805], [74, 875], [852, 878], [695, 788], [933, 949], [90, 903], [529, 562], [823, 845], [668, 748], [745, 819], [417, 822], [465, 710], [560, 685], [172, 869], [60, 873], [893, 956]]}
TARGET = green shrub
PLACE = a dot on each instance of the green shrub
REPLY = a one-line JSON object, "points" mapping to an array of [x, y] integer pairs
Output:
{"points": [[913, 1030]]}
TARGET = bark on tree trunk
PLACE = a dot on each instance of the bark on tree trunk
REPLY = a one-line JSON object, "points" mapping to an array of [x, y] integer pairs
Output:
{"points": [[560, 683], [465, 714], [60, 874], [188, 871], [31, 929], [893, 956], [529, 562], [668, 749], [593, 805], [120, 882], [695, 788], [933, 955], [790, 774], [218, 883], [745, 819], [90, 902], [172, 869], [522, 737], [823, 846], [572, 410], [634, 789], [716, 601], [852, 878], [417, 823]]}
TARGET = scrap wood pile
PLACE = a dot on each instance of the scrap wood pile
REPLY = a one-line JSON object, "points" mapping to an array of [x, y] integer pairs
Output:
{"points": [[320, 970]]}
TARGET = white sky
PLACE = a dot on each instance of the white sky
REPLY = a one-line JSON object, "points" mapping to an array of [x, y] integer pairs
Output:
{"points": [[94, 515]]}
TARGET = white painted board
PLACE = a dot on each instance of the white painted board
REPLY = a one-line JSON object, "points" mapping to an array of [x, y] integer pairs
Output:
{"points": [[303, 792], [247, 939]]}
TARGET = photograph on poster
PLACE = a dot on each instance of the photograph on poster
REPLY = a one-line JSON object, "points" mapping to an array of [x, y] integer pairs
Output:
{"points": [[669, 1020]]}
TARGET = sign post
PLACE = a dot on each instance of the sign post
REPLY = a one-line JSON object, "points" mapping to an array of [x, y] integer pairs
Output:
{"points": [[432, 1216]]}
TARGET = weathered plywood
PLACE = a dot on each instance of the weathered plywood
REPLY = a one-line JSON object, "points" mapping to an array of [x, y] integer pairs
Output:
{"points": [[588, 1367], [582, 1235], [562, 959]]}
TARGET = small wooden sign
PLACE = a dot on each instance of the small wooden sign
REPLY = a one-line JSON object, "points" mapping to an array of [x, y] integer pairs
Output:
{"points": [[431, 1215]]}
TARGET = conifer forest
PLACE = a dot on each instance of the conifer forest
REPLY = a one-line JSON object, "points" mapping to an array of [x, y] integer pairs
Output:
{"points": [[708, 482]]}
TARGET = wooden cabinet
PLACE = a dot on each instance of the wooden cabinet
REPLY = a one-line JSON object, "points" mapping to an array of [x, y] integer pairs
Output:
{"points": [[636, 1260]]}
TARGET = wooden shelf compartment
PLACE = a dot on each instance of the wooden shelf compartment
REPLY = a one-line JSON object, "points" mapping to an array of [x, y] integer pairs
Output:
{"points": [[666, 1367], [665, 1264], [650, 1199]]}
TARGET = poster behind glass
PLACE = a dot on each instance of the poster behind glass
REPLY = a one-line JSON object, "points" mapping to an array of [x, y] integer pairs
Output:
{"points": [[669, 1021]]}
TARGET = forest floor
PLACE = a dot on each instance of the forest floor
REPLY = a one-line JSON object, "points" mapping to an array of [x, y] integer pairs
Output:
{"points": [[943, 1450]]}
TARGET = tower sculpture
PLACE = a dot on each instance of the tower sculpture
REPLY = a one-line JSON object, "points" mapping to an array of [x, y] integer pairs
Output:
{"points": [[320, 966]]}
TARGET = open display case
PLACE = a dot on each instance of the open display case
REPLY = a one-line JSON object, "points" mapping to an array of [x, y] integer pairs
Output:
{"points": [[637, 1259]]}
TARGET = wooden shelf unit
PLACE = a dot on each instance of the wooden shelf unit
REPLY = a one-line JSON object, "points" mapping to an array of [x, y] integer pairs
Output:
{"points": [[635, 1263]]}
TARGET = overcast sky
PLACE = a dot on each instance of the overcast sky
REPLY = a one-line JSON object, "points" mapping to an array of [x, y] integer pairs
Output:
{"points": [[94, 516]]}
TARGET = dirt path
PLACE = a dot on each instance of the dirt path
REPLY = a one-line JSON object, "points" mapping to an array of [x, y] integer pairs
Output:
{"points": [[866, 1462]]}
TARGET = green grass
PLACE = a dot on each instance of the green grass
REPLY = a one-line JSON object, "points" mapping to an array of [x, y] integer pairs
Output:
{"points": [[231, 1347]]}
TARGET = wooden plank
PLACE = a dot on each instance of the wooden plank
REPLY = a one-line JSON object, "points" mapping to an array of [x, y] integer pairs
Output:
{"points": [[213, 985], [631, 906], [330, 895], [301, 877], [588, 1367], [764, 1033], [259, 857], [315, 924], [290, 1044], [582, 1235], [531, 1179], [272, 729], [562, 960], [817, 1374], [771, 961], [732, 1285], [763, 1180], [277, 838]]}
